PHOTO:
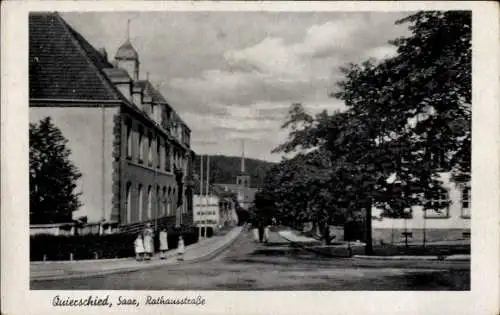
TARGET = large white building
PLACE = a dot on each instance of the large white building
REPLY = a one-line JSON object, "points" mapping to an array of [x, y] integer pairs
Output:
{"points": [[447, 224]]}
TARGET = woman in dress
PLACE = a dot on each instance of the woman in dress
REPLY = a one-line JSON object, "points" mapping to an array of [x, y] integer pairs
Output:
{"points": [[163, 242], [148, 242], [139, 247]]}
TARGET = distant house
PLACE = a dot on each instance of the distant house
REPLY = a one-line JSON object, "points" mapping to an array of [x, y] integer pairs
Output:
{"points": [[132, 148], [217, 209]]}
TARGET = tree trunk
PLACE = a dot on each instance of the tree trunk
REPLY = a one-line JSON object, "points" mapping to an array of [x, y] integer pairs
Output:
{"points": [[368, 230], [325, 233]]}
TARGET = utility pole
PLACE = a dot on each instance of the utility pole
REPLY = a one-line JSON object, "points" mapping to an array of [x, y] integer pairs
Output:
{"points": [[103, 170], [200, 203], [207, 191], [157, 190]]}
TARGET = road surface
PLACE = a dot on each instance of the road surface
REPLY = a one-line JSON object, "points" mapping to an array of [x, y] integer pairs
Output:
{"points": [[247, 265]]}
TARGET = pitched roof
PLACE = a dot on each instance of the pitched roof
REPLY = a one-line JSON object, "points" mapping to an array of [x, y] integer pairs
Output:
{"points": [[150, 90], [63, 65], [117, 75]]}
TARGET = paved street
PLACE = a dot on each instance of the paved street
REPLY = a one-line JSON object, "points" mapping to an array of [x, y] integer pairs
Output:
{"points": [[247, 265]]}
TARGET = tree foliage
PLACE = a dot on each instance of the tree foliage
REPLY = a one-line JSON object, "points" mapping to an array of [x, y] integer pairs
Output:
{"points": [[53, 176], [408, 117]]}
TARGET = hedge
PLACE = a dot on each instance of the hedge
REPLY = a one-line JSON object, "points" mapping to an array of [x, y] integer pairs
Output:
{"points": [[120, 245]]}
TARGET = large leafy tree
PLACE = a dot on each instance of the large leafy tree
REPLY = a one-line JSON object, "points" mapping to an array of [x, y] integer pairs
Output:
{"points": [[417, 105], [53, 176], [409, 116]]}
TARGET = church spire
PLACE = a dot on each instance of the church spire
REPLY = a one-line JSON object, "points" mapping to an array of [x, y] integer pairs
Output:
{"points": [[242, 156], [128, 30]]}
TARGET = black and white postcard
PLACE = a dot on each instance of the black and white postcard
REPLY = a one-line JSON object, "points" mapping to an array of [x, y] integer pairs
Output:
{"points": [[250, 157]]}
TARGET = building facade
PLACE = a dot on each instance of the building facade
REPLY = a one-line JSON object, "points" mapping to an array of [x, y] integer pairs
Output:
{"points": [[450, 223], [216, 210], [130, 145]]}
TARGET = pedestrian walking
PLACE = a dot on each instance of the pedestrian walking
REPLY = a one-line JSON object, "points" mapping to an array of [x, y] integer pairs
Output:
{"points": [[255, 232], [148, 242], [266, 234], [163, 243], [180, 249], [139, 247]]}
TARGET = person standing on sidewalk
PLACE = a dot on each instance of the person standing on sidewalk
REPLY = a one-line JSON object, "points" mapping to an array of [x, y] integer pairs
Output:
{"points": [[266, 233], [148, 242], [163, 242], [139, 247], [180, 249]]}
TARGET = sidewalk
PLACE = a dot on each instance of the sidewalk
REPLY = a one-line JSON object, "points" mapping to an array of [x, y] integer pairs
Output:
{"points": [[340, 250], [204, 249]]}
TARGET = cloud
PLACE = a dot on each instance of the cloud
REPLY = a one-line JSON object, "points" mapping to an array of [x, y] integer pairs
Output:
{"points": [[381, 52], [237, 76]]}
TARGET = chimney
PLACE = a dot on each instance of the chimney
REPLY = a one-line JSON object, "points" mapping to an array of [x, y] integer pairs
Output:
{"points": [[104, 53]]}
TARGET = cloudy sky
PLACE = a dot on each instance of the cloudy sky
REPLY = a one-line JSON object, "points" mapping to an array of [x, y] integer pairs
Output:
{"points": [[233, 76]]}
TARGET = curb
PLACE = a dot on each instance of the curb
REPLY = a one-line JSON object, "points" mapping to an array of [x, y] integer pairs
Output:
{"points": [[143, 267], [421, 258], [397, 257], [401, 257]]}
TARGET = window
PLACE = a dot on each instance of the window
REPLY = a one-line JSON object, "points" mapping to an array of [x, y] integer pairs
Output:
{"points": [[184, 208], [128, 202], [169, 201], [141, 146], [438, 205], [163, 200], [150, 150], [157, 201], [150, 202], [174, 198], [158, 153], [167, 157], [439, 159], [129, 140], [141, 204], [466, 192]]}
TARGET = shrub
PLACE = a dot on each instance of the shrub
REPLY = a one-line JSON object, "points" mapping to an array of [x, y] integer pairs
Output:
{"points": [[120, 245], [81, 246]]}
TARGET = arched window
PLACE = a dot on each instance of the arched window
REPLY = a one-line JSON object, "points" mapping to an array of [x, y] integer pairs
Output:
{"points": [[157, 201], [174, 201], [141, 146], [150, 149], [129, 140], [164, 200], [128, 202], [141, 202], [150, 201], [167, 157], [169, 201]]}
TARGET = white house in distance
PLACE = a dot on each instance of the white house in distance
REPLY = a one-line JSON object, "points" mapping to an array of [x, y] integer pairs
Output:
{"points": [[206, 210], [212, 206], [449, 224]]}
